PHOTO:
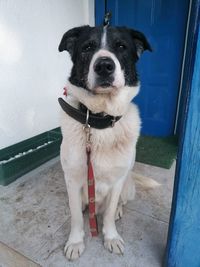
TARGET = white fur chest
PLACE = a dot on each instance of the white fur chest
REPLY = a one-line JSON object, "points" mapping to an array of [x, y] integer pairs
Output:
{"points": [[112, 148]]}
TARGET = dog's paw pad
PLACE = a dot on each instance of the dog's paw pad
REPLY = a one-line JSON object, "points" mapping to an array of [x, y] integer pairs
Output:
{"points": [[119, 213], [114, 245], [73, 251]]}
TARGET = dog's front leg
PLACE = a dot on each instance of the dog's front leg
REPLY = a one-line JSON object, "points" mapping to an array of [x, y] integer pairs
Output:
{"points": [[75, 244], [112, 240]]}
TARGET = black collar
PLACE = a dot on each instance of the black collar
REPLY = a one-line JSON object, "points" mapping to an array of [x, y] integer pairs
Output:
{"points": [[97, 121]]}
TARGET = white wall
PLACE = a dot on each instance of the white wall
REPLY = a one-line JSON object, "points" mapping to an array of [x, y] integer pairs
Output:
{"points": [[32, 71]]}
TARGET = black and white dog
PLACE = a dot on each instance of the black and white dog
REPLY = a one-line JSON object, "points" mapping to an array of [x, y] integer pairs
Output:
{"points": [[104, 80]]}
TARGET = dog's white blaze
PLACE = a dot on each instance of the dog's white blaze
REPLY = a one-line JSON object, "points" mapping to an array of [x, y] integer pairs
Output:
{"points": [[119, 79], [104, 39]]}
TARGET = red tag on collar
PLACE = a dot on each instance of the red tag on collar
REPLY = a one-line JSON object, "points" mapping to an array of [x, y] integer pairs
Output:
{"points": [[65, 91]]}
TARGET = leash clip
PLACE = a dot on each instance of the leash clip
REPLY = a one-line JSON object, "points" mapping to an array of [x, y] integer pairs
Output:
{"points": [[86, 128], [86, 125], [113, 122]]}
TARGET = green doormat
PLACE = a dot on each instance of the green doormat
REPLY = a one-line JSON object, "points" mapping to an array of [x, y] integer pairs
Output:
{"points": [[157, 151]]}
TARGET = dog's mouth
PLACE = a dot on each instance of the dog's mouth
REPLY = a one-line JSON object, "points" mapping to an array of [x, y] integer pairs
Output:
{"points": [[105, 84], [104, 87]]}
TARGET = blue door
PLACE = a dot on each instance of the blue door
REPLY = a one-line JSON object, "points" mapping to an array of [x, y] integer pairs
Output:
{"points": [[164, 24]]}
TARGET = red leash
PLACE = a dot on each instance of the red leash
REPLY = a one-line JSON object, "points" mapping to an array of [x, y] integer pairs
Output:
{"points": [[90, 180], [91, 196]]}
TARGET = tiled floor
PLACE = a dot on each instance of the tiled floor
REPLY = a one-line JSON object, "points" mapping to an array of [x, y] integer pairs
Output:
{"points": [[10, 257], [35, 222]]}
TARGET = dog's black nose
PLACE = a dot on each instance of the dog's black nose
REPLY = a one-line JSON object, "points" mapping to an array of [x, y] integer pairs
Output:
{"points": [[104, 66]]}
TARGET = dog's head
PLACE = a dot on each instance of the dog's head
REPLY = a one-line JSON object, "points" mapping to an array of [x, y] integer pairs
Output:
{"points": [[104, 58]]}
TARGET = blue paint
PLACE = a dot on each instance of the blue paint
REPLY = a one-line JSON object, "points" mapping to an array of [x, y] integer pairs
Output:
{"points": [[100, 10], [188, 70], [164, 24], [183, 248]]}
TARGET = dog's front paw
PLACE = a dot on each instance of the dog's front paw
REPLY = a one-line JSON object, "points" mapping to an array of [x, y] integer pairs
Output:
{"points": [[115, 245], [73, 251]]}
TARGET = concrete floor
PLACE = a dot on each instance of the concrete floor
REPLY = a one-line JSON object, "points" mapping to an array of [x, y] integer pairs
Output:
{"points": [[35, 222]]}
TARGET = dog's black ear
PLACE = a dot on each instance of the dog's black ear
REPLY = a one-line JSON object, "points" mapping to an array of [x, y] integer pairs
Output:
{"points": [[69, 39], [140, 41]]}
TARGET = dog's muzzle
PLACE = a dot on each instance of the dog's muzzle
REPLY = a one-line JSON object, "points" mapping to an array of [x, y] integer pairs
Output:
{"points": [[104, 67]]}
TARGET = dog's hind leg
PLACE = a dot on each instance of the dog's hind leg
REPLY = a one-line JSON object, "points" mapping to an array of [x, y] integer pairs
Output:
{"points": [[119, 211], [128, 190], [128, 193]]}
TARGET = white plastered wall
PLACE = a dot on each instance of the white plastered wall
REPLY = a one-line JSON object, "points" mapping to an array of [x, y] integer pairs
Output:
{"points": [[32, 71]]}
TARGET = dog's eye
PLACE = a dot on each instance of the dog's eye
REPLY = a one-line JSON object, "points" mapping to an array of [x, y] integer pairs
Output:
{"points": [[120, 47], [88, 47]]}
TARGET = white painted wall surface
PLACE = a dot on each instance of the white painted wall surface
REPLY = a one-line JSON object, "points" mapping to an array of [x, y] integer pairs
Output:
{"points": [[32, 71]]}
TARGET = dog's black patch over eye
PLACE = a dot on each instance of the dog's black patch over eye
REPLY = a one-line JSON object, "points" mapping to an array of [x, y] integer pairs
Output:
{"points": [[88, 47], [120, 46]]}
